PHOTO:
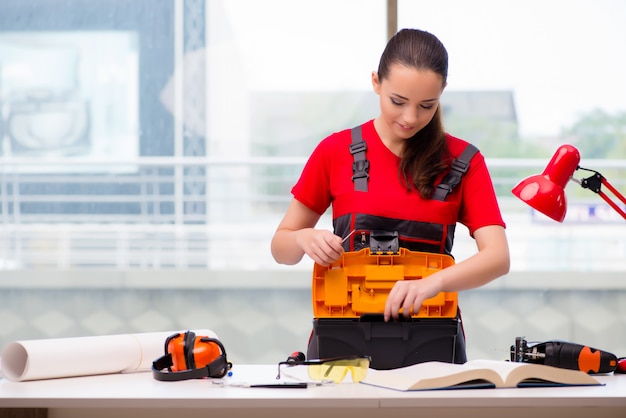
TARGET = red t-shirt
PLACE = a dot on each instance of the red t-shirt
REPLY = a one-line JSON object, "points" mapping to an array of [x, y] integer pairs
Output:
{"points": [[327, 179]]}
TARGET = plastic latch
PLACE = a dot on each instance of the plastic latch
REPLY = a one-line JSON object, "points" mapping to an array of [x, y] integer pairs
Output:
{"points": [[358, 147], [383, 242], [460, 166], [360, 169]]}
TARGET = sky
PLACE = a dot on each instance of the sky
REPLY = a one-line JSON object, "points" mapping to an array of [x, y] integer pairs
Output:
{"points": [[561, 58]]}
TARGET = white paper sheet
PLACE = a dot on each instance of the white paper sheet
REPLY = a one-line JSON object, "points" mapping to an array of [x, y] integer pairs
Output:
{"points": [[83, 356]]}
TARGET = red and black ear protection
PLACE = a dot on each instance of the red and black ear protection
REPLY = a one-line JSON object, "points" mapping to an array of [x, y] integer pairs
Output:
{"points": [[190, 357]]}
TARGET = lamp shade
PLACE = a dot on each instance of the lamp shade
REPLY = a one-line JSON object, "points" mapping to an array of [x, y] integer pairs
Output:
{"points": [[545, 192]]}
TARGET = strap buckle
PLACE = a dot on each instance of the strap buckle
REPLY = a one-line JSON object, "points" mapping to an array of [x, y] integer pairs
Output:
{"points": [[460, 166], [360, 169], [445, 187], [360, 146]]}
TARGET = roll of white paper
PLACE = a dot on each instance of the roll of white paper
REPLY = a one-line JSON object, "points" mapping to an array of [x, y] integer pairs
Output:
{"points": [[83, 356]]}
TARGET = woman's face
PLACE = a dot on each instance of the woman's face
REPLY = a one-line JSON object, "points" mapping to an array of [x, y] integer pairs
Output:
{"points": [[408, 100]]}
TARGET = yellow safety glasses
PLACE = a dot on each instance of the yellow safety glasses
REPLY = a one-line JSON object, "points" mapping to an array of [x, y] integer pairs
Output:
{"points": [[333, 369]]}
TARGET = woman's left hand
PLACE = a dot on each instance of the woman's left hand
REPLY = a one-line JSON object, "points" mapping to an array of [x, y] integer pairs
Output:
{"points": [[409, 295]]}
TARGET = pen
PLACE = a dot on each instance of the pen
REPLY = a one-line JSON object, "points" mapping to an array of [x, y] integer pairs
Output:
{"points": [[301, 385], [286, 385]]}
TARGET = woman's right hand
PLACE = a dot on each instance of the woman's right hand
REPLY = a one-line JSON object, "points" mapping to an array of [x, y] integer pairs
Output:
{"points": [[321, 245], [296, 236]]}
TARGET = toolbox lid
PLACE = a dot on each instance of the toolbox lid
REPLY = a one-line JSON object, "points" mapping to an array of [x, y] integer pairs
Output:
{"points": [[360, 282]]}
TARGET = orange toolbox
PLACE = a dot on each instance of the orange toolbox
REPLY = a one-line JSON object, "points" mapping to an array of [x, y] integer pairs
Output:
{"points": [[348, 304], [360, 282]]}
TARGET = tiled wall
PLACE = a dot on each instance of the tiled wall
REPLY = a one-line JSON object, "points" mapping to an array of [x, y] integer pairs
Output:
{"points": [[265, 324]]}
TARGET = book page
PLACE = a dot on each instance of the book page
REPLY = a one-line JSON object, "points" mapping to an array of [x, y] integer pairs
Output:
{"points": [[501, 367], [528, 374], [475, 374], [541, 375], [433, 375]]}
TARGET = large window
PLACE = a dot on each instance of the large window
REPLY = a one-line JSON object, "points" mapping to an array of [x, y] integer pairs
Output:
{"points": [[168, 133]]}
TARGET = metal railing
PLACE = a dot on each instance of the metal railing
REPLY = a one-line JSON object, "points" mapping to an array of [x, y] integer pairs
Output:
{"points": [[219, 214]]}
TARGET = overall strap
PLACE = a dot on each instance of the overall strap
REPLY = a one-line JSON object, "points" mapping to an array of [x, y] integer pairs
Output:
{"points": [[360, 166], [459, 166]]}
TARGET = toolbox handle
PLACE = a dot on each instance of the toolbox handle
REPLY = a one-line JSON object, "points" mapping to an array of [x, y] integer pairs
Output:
{"points": [[378, 317]]}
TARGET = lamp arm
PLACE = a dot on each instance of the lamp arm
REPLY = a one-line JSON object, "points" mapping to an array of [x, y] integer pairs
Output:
{"points": [[595, 183]]}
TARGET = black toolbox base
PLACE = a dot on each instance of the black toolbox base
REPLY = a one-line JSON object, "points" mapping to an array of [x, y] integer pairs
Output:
{"points": [[390, 344]]}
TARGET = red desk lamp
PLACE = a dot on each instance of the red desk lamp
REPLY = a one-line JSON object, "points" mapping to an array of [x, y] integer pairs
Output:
{"points": [[546, 192]]}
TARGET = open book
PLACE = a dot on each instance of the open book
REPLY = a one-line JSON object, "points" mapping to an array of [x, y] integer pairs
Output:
{"points": [[476, 374]]}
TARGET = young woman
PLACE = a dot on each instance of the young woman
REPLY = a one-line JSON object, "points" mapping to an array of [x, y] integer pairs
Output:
{"points": [[408, 155]]}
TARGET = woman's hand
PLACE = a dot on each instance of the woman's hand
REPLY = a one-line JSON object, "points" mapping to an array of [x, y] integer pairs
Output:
{"points": [[409, 295], [490, 262], [322, 246], [296, 235]]}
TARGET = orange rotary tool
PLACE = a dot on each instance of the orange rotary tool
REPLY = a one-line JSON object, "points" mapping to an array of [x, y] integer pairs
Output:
{"points": [[564, 355]]}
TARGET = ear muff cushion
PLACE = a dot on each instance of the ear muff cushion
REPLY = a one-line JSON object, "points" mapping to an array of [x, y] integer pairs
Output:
{"points": [[175, 348], [206, 351]]}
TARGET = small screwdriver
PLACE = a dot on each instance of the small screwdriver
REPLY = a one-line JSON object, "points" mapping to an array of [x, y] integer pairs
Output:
{"points": [[296, 357], [348, 236]]}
